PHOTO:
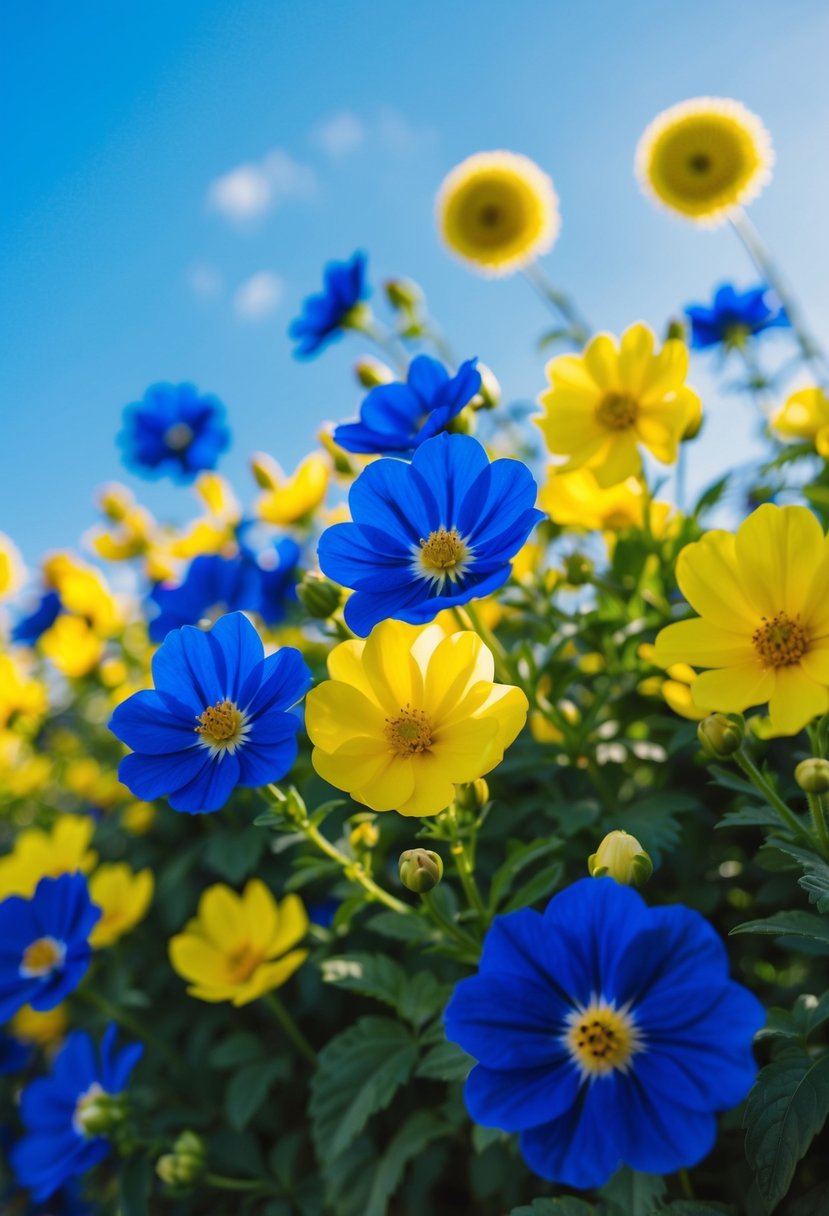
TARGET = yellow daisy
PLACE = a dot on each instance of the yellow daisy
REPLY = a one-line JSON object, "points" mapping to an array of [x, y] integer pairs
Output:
{"points": [[497, 211], [123, 898], [763, 600], [704, 158], [805, 416]]}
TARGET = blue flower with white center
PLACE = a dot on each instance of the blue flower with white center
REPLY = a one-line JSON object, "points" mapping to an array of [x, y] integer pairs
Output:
{"points": [[735, 316], [431, 534], [219, 716], [607, 1033], [44, 946], [62, 1113], [399, 417], [326, 314], [174, 431]]}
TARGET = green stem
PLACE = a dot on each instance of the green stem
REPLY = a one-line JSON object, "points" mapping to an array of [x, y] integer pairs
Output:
{"points": [[818, 808], [127, 1022], [465, 868], [221, 1183], [502, 666], [578, 328], [290, 1027], [786, 814], [455, 931], [685, 1182], [384, 340]]}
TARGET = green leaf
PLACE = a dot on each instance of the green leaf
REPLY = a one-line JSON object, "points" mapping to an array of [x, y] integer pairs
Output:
{"points": [[519, 857], [134, 1188], [232, 854], [749, 817], [401, 928], [807, 1013], [815, 879], [567, 1206], [790, 924], [249, 1087], [630, 1193], [653, 821], [371, 975], [422, 997], [816, 1203], [538, 888], [445, 1062], [239, 1048], [419, 1130], [696, 1207], [712, 495]]}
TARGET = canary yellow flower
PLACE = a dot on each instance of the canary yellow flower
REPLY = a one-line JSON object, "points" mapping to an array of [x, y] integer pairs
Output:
{"points": [[601, 404], [676, 690], [805, 415], [91, 783], [39, 854], [498, 212], [287, 500], [704, 158], [123, 897], [763, 600], [21, 696], [11, 566], [214, 532], [73, 646], [44, 1029], [576, 500], [240, 946], [83, 592], [138, 818], [22, 770], [408, 714]]}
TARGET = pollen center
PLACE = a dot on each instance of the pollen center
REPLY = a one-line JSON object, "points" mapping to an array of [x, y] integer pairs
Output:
{"points": [[410, 732], [781, 641], [222, 726], [85, 1106], [617, 411], [601, 1038], [242, 962], [42, 957], [444, 556], [178, 436]]}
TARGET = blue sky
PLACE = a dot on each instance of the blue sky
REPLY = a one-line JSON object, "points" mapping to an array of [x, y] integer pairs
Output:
{"points": [[131, 252]]}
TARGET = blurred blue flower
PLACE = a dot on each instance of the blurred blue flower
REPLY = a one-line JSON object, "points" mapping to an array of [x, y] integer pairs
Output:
{"points": [[14, 1055], [608, 1033], [734, 316], [323, 315], [174, 432], [29, 629]]}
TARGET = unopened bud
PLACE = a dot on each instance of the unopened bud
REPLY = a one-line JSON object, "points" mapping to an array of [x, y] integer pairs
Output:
{"points": [[622, 857], [694, 424], [364, 835], [403, 295], [319, 596], [812, 775], [488, 396], [420, 870], [185, 1163], [115, 501], [472, 795], [720, 736], [265, 471], [463, 423], [578, 569], [100, 1113], [675, 329], [371, 372]]}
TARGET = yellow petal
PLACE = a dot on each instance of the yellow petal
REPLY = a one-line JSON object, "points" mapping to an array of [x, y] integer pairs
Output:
{"points": [[667, 371], [291, 927], [601, 359], [261, 915], [635, 351], [345, 663], [618, 460], [796, 700], [460, 661], [466, 750], [570, 372], [708, 578], [197, 960], [392, 786], [269, 976], [433, 790], [354, 764], [569, 422], [816, 663], [335, 712], [678, 697], [778, 550], [733, 689], [702, 644], [391, 668], [222, 918]]}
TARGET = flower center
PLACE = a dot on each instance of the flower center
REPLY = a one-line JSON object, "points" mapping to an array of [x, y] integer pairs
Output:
{"points": [[409, 733], [617, 411], [178, 436], [42, 957], [223, 727], [699, 162], [781, 641], [86, 1107], [443, 556], [242, 962], [601, 1038]]}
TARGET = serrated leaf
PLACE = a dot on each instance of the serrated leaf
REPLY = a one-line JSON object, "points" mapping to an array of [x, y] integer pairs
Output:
{"points": [[566, 1206], [249, 1087], [419, 1130], [445, 1062], [630, 1193], [539, 887], [519, 857], [806, 1015], [371, 975], [422, 997], [401, 928], [815, 878], [239, 1048], [749, 817], [789, 924]]}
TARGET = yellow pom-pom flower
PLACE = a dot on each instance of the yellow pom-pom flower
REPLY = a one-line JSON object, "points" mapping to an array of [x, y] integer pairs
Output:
{"points": [[763, 628], [704, 158], [38, 854], [123, 898], [240, 946], [605, 402], [408, 714], [498, 212], [805, 416]]}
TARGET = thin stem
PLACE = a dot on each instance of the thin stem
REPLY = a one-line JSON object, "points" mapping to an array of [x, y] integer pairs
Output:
{"points": [[464, 866], [222, 1183], [455, 931], [290, 1027], [818, 808], [489, 639], [771, 796], [578, 329], [384, 340], [685, 1182], [127, 1022]]}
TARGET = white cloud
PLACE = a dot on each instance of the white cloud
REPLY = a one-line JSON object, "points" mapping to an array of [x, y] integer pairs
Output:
{"points": [[339, 135], [256, 187], [401, 136], [258, 296], [204, 280]]}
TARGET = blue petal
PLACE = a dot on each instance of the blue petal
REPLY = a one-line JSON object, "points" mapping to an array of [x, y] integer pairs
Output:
{"points": [[154, 724], [286, 678], [675, 948], [260, 765], [658, 1135], [182, 666], [210, 789], [520, 1098], [389, 497], [507, 1022], [582, 915], [242, 649], [583, 1148], [347, 554], [151, 777], [449, 464]]}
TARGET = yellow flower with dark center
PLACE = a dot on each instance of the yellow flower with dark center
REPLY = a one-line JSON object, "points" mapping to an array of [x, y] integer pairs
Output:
{"points": [[38, 854], [498, 212], [123, 898], [240, 946], [605, 402], [805, 416], [763, 629], [704, 158], [408, 714]]}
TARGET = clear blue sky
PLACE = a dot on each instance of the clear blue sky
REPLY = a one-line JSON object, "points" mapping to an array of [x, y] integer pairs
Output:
{"points": [[121, 267]]}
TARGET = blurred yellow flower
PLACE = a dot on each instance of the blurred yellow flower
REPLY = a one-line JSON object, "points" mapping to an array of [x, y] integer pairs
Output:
{"points": [[22, 770], [45, 1029], [73, 646], [138, 818], [805, 415], [123, 897], [287, 500], [21, 696], [214, 532], [576, 500], [11, 566], [89, 782], [39, 854], [676, 690], [83, 592]]}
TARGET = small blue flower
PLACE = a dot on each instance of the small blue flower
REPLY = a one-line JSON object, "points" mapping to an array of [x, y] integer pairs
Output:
{"points": [[399, 417], [323, 314], [219, 717], [44, 947], [607, 1033], [29, 629], [431, 534], [57, 1147], [734, 316], [174, 432]]}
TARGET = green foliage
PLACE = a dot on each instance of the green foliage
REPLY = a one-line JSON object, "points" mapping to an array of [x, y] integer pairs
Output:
{"points": [[630, 1193]]}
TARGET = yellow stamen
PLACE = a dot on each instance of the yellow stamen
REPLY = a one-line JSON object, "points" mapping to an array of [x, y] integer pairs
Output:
{"points": [[242, 962], [443, 555], [41, 957], [781, 641], [222, 726], [617, 411], [410, 733], [601, 1038]]}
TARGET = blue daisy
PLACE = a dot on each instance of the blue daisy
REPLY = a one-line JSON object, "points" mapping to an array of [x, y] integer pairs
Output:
{"points": [[607, 1033], [57, 1146], [44, 947], [324, 315], [431, 534], [399, 417], [219, 716], [174, 431], [734, 316]]}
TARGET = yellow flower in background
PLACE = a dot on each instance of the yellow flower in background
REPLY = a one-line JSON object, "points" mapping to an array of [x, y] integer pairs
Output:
{"points": [[39, 854], [138, 818], [287, 500], [73, 646], [131, 527], [497, 211], [123, 897], [214, 532], [605, 402], [704, 158], [11, 566], [44, 1029], [763, 600], [409, 713], [576, 500], [91, 783], [240, 946], [805, 416], [21, 696], [676, 690], [23, 771], [83, 592]]}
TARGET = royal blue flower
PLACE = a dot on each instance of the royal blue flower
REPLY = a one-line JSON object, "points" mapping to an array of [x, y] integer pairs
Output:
{"points": [[174, 431], [399, 417], [14, 1055], [734, 316], [431, 534], [217, 718], [57, 1147], [607, 1033], [323, 314], [44, 947], [29, 629]]}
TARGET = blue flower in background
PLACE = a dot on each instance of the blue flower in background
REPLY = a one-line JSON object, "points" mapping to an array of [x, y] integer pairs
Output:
{"points": [[173, 431], [607, 1033], [323, 315], [57, 1146], [431, 534], [14, 1055], [399, 417], [734, 316], [44, 947], [29, 629], [219, 717]]}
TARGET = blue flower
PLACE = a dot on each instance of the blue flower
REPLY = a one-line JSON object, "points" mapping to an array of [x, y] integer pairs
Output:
{"points": [[217, 718], [29, 629], [173, 432], [431, 534], [57, 1146], [14, 1055], [323, 315], [608, 1033], [399, 417], [44, 951], [734, 316]]}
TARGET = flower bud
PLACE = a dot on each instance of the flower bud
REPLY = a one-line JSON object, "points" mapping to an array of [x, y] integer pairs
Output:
{"points": [[265, 471], [622, 857], [675, 329], [371, 372], [812, 775], [115, 501], [364, 835], [404, 295], [319, 596], [488, 396], [694, 424], [99, 1113], [463, 423], [720, 736], [578, 569], [420, 869], [472, 795], [186, 1162]]}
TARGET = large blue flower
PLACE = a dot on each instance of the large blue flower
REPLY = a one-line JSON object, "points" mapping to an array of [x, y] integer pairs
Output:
{"points": [[431, 534], [44, 947], [608, 1033], [217, 718], [323, 314], [174, 431], [734, 316], [399, 417], [57, 1146]]}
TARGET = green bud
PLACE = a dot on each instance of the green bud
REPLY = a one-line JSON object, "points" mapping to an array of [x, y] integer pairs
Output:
{"points": [[99, 1113], [185, 1164], [371, 372], [319, 596], [812, 775], [578, 569], [488, 396], [720, 736], [472, 795], [404, 295], [420, 869], [622, 857], [675, 329], [463, 423], [359, 317]]}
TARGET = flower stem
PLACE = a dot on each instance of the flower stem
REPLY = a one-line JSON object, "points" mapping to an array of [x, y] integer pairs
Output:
{"points": [[578, 328], [455, 931], [127, 1022], [222, 1183], [818, 808], [385, 341], [464, 866], [785, 813], [290, 1027]]}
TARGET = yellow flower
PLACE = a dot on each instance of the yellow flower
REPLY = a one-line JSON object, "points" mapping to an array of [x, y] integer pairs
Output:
{"points": [[38, 854], [239, 946], [123, 898], [83, 591], [73, 646], [91, 783], [676, 690], [704, 158], [21, 696], [805, 415], [576, 500], [763, 600], [138, 818], [498, 212], [11, 566], [289, 499], [407, 714], [45, 1029], [604, 402], [22, 770], [215, 532]]}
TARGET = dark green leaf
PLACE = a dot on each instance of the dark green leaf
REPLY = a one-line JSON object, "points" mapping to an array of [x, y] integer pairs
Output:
{"points": [[134, 1189], [630, 1193], [806, 1015], [696, 1207], [816, 1203], [238, 1048], [445, 1062], [420, 1129], [790, 924], [538, 888], [422, 997], [519, 857], [653, 821], [401, 928], [712, 495], [233, 855], [567, 1206], [249, 1087], [371, 975]]}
